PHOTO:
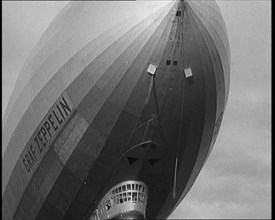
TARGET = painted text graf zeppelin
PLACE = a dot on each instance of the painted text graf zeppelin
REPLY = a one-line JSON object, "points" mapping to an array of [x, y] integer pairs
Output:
{"points": [[43, 136]]}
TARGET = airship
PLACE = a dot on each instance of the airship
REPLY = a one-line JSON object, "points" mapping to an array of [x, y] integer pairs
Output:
{"points": [[115, 111]]}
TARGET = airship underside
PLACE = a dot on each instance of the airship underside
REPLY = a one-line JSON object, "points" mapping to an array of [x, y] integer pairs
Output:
{"points": [[127, 94]]}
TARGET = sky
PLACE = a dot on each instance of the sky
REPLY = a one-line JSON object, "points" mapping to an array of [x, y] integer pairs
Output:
{"points": [[235, 182]]}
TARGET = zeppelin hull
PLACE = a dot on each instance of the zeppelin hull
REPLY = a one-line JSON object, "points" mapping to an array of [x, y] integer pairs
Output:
{"points": [[99, 116]]}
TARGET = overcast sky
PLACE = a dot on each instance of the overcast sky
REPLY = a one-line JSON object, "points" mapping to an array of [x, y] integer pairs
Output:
{"points": [[236, 180]]}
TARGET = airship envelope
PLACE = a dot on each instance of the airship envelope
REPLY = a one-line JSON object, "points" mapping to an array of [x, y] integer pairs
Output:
{"points": [[115, 110]]}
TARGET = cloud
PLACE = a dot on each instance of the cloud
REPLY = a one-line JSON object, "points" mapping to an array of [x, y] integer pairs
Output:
{"points": [[236, 180], [225, 196]]}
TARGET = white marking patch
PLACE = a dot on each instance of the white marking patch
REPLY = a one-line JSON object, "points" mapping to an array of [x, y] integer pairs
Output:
{"points": [[151, 69], [70, 137], [188, 72]]}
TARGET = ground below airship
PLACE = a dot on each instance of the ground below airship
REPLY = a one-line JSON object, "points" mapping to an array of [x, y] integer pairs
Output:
{"points": [[115, 111]]}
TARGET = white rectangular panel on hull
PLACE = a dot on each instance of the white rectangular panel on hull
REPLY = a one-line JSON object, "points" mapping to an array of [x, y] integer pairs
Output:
{"points": [[70, 137]]}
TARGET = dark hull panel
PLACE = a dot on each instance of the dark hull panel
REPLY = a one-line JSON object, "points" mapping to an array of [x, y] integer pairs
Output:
{"points": [[96, 117]]}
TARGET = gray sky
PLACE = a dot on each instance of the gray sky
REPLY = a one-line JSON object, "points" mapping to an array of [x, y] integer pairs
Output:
{"points": [[236, 180]]}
